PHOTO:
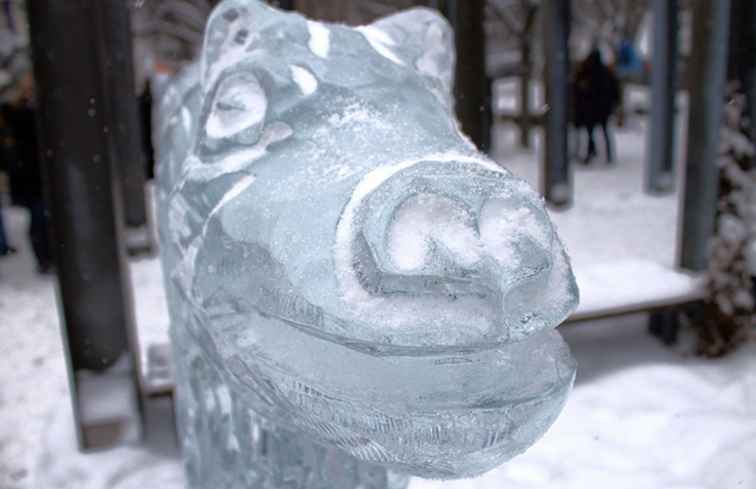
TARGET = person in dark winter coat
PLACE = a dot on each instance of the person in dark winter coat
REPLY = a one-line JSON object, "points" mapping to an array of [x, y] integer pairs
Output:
{"points": [[24, 171], [596, 96], [5, 248]]}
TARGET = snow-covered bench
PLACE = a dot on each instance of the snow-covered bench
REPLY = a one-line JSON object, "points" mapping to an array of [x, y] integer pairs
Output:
{"points": [[632, 285]]}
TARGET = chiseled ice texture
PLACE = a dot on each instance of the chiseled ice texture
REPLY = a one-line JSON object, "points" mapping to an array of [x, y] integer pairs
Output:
{"points": [[356, 292]]}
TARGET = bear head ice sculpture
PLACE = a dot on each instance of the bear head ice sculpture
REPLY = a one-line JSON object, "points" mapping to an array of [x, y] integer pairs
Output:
{"points": [[344, 268]]}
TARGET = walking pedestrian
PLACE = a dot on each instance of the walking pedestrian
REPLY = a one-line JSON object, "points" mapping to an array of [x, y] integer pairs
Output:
{"points": [[24, 169], [5, 248], [596, 94]]}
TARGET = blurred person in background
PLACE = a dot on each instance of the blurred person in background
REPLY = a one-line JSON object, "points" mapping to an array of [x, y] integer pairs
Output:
{"points": [[24, 169], [628, 66], [5, 247], [596, 96]]}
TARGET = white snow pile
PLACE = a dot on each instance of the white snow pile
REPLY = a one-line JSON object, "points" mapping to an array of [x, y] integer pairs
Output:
{"points": [[640, 417], [60, 465]]}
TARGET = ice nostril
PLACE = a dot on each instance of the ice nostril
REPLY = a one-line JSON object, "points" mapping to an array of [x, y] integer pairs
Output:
{"points": [[429, 225], [513, 232]]}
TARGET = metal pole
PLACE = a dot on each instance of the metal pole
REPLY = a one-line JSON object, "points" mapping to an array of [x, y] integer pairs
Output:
{"points": [[660, 160], [556, 180], [525, 112], [472, 87], [70, 48], [707, 90]]}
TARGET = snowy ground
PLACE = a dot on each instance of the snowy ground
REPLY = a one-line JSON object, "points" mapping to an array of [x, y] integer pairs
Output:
{"points": [[640, 417]]}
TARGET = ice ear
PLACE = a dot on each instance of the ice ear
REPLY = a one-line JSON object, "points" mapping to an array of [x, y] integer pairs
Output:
{"points": [[427, 38]]}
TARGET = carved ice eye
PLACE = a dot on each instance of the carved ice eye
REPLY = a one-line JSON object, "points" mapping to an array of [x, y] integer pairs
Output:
{"points": [[238, 109]]}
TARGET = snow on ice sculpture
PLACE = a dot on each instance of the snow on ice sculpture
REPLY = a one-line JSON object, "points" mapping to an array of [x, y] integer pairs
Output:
{"points": [[355, 291]]}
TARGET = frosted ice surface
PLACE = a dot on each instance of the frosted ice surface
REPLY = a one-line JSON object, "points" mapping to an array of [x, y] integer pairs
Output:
{"points": [[353, 287]]}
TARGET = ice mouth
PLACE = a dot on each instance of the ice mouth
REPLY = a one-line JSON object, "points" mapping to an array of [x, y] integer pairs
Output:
{"points": [[436, 416]]}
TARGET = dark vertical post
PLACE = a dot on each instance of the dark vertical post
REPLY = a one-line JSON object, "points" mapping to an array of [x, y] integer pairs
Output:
{"points": [[472, 87], [525, 112], [284, 4], [526, 60], [125, 123], [71, 52], [556, 180], [751, 78], [707, 90], [741, 37], [741, 64], [660, 160]]}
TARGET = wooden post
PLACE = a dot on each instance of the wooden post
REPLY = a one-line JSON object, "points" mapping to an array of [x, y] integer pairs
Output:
{"points": [[71, 48], [707, 90], [660, 159], [556, 180]]}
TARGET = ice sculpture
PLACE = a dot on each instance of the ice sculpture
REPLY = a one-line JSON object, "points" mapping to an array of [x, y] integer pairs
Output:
{"points": [[355, 291]]}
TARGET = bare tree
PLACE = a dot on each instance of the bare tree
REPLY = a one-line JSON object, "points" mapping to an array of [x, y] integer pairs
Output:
{"points": [[14, 44], [171, 30], [354, 11], [510, 26], [611, 21]]}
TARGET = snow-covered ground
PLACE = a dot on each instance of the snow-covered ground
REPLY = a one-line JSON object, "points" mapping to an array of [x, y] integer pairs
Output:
{"points": [[641, 416]]}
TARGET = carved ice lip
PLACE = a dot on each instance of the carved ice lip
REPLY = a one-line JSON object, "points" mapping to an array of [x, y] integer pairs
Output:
{"points": [[410, 413]]}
